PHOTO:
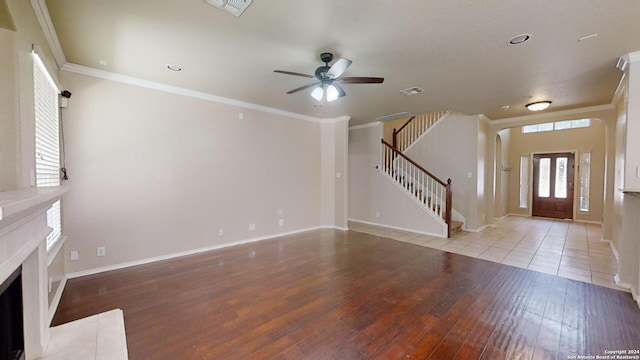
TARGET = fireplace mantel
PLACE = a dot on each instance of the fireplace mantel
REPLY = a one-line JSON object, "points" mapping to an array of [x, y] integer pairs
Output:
{"points": [[23, 232]]}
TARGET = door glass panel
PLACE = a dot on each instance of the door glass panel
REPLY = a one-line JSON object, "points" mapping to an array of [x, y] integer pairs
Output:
{"points": [[561, 178], [544, 178]]}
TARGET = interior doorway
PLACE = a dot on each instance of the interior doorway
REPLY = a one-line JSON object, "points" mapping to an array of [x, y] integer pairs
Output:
{"points": [[553, 185]]}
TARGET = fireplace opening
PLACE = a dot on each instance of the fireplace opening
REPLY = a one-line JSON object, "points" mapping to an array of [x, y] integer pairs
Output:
{"points": [[11, 321]]}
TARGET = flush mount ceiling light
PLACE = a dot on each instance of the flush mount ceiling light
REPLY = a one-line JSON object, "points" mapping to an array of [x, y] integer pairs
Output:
{"points": [[174, 67], [233, 7], [538, 105], [519, 39]]}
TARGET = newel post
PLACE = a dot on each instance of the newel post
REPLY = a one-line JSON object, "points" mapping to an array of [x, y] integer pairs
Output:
{"points": [[448, 210], [393, 140]]}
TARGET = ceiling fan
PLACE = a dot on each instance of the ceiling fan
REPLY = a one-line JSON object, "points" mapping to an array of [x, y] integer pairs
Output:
{"points": [[329, 77]]}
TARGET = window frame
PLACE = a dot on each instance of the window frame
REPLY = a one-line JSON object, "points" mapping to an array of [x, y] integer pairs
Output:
{"points": [[47, 142]]}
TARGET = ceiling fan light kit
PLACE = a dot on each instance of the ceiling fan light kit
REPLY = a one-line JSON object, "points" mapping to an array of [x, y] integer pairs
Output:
{"points": [[327, 78]]}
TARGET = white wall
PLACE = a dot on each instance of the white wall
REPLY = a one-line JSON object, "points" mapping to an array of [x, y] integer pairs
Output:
{"points": [[374, 199], [154, 173], [626, 207]]}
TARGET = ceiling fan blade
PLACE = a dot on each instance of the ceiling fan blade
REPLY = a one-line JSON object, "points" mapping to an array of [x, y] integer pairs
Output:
{"points": [[294, 73], [360, 80], [338, 68], [303, 87]]}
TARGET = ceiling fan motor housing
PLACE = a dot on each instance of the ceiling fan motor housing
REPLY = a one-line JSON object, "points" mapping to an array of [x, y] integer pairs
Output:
{"points": [[321, 72]]}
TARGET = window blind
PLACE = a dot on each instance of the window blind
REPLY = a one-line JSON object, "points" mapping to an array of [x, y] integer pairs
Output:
{"points": [[47, 141]]}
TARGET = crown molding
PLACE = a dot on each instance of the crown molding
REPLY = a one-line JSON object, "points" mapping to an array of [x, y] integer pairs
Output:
{"points": [[42, 13], [634, 56], [547, 115], [125, 79], [338, 119], [364, 126]]}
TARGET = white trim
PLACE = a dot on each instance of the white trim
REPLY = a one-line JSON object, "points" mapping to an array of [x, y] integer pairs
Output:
{"points": [[613, 248], [478, 229], [626, 286], [619, 89], [500, 218], [42, 13], [397, 228], [190, 252], [547, 115], [634, 56], [53, 252], [125, 79], [414, 199], [364, 126], [594, 222], [56, 299], [337, 119]]}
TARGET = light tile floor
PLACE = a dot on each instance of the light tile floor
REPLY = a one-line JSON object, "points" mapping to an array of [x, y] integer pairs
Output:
{"points": [[97, 337], [567, 249]]}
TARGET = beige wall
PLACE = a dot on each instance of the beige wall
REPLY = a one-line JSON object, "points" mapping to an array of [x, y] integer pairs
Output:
{"points": [[154, 173], [455, 159], [388, 127], [573, 140], [374, 199], [9, 124]]}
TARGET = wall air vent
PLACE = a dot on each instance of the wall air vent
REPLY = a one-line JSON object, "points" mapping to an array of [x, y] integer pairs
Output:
{"points": [[412, 90], [233, 7], [394, 116]]}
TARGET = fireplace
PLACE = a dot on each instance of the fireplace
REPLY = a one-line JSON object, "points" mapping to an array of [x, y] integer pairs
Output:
{"points": [[11, 319]]}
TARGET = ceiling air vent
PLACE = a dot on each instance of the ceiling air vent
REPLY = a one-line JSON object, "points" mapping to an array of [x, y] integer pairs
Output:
{"points": [[394, 116], [412, 90], [233, 7]]}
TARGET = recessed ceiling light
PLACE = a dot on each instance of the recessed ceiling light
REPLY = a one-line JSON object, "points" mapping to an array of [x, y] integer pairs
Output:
{"points": [[539, 105], [504, 107], [412, 90], [174, 67], [516, 40]]}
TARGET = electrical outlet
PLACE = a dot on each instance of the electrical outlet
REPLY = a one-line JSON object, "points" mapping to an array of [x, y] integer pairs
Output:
{"points": [[101, 251], [220, 231], [338, 175], [75, 255], [377, 214], [252, 227], [281, 222], [469, 174], [240, 116]]}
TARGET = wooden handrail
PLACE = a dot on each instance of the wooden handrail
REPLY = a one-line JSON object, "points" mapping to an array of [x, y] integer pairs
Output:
{"points": [[395, 132], [416, 165]]}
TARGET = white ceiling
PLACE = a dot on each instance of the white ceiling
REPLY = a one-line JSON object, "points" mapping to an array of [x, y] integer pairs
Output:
{"points": [[454, 49]]}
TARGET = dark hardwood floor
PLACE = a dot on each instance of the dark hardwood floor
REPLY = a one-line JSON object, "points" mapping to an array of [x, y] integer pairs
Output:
{"points": [[347, 295]]}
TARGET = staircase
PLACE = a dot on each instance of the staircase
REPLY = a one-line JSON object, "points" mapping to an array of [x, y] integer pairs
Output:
{"points": [[432, 194], [415, 128]]}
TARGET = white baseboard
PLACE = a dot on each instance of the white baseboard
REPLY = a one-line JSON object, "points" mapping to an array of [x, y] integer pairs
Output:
{"points": [[613, 248], [53, 307], [398, 228], [479, 229], [190, 252]]}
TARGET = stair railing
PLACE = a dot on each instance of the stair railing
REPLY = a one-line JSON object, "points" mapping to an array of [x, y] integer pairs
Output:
{"points": [[414, 128], [427, 188]]}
